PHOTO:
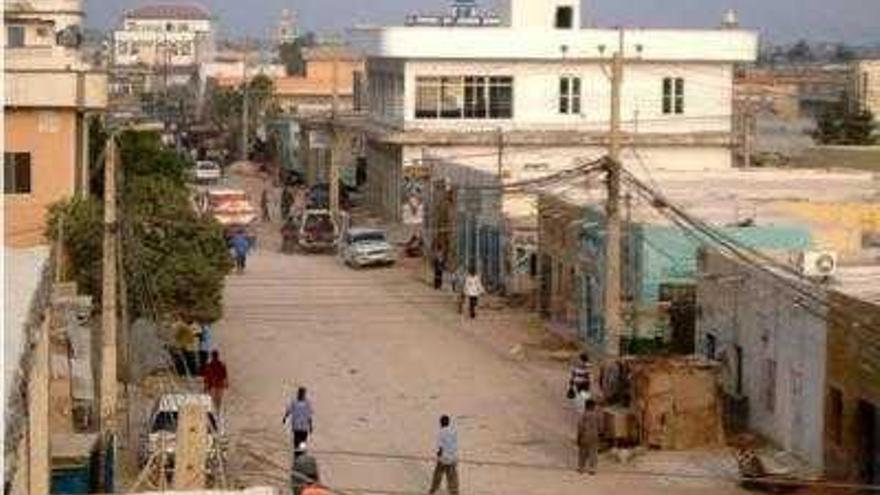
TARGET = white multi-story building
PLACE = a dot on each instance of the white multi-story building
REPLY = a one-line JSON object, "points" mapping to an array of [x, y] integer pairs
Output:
{"points": [[533, 96], [171, 39]]}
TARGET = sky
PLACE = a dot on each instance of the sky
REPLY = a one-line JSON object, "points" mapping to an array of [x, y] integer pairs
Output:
{"points": [[851, 21]]}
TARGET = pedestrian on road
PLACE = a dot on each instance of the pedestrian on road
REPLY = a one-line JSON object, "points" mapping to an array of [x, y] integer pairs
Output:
{"points": [[588, 438], [473, 289], [216, 379], [581, 375], [204, 345], [439, 269], [240, 247], [286, 201], [300, 414], [264, 205], [447, 458]]}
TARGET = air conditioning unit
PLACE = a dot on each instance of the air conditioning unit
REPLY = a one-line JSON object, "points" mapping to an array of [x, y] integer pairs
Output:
{"points": [[817, 264]]}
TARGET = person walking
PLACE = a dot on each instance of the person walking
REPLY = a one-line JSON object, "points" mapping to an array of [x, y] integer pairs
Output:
{"points": [[580, 382], [216, 379], [299, 412], [240, 247], [204, 345], [588, 438], [286, 201], [473, 289], [447, 458], [264, 205], [439, 269]]}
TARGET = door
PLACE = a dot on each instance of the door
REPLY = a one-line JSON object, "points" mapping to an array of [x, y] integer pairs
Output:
{"points": [[546, 284], [868, 442]]}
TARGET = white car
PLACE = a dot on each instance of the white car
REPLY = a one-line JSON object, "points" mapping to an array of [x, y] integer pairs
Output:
{"points": [[208, 171], [161, 431], [361, 247]]}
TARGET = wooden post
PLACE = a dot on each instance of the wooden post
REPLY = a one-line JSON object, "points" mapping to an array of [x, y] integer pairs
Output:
{"points": [[109, 320], [613, 317], [191, 451]]}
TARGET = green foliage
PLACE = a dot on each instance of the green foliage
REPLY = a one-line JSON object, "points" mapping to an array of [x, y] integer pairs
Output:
{"points": [[843, 126], [175, 260], [291, 54], [82, 230]]}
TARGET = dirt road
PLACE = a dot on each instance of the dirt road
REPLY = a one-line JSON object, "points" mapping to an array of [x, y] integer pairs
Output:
{"points": [[383, 356]]}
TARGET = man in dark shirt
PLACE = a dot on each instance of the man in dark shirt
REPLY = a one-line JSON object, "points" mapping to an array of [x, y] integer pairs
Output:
{"points": [[216, 379]]}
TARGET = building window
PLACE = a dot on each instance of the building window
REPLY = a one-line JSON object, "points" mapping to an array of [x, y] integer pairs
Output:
{"points": [[673, 95], [14, 36], [469, 97], [16, 173], [569, 95], [711, 346], [835, 415], [564, 17]]}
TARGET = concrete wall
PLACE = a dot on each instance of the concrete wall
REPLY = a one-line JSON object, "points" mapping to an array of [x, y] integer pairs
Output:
{"points": [[741, 306], [51, 137], [708, 96], [853, 371]]}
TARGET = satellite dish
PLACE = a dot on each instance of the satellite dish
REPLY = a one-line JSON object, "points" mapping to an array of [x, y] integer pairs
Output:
{"points": [[69, 37]]}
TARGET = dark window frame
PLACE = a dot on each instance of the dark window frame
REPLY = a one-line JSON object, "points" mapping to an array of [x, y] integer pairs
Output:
{"points": [[564, 18], [673, 96], [20, 38], [464, 97], [570, 88], [17, 173]]}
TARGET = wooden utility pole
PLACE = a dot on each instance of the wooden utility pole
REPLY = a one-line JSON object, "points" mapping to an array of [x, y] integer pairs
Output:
{"points": [[613, 317], [108, 293], [335, 146], [191, 451], [245, 96]]}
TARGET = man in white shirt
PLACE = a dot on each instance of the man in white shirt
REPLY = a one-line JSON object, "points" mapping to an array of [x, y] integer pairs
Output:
{"points": [[473, 289], [447, 458]]}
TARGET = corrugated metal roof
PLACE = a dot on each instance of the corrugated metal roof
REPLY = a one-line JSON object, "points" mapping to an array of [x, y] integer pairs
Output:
{"points": [[170, 11]]}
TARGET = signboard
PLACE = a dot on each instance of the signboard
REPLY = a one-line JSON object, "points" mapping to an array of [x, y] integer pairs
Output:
{"points": [[319, 140]]}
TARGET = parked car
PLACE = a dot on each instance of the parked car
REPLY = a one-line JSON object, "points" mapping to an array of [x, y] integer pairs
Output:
{"points": [[207, 171], [161, 431], [311, 230], [361, 247]]}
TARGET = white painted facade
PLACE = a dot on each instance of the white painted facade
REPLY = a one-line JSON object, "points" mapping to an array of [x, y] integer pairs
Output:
{"points": [[677, 94], [743, 311], [157, 42]]}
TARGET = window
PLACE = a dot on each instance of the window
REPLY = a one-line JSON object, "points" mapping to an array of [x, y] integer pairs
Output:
{"points": [[16, 173], [15, 36], [673, 95], [569, 95], [871, 239], [711, 346], [469, 97], [564, 17], [835, 415]]}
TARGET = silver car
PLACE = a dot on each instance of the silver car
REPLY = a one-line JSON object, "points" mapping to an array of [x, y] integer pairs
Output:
{"points": [[361, 247]]}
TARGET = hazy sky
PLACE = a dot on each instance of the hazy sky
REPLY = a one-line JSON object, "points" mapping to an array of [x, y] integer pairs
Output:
{"points": [[779, 20]]}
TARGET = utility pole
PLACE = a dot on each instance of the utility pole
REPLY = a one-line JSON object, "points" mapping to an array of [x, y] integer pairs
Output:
{"points": [[245, 96], [613, 317], [335, 148], [108, 384]]}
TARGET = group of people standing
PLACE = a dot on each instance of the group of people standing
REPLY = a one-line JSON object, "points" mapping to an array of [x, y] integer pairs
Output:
{"points": [[469, 286], [196, 357]]}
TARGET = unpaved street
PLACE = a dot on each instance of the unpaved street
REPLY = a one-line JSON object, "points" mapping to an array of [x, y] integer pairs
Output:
{"points": [[383, 356]]}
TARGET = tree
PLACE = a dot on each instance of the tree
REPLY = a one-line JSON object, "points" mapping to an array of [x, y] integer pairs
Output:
{"points": [[842, 125], [291, 54], [843, 53], [175, 259]]}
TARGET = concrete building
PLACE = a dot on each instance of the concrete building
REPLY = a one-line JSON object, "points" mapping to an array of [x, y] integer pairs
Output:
{"points": [[827, 212], [49, 94], [852, 400], [865, 80], [164, 37], [772, 343], [326, 66]]}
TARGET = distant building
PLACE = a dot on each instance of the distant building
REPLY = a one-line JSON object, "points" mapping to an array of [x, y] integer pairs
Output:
{"points": [[865, 80], [286, 32], [461, 13], [50, 93], [326, 66]]}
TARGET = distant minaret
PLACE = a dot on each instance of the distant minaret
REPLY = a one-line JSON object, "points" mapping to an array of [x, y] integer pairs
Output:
{"points": [[287, 27], [730, 20]]}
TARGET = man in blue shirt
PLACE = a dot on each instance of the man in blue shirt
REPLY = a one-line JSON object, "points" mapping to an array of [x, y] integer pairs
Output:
{"points": [[240, 247], [447, 458]]}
